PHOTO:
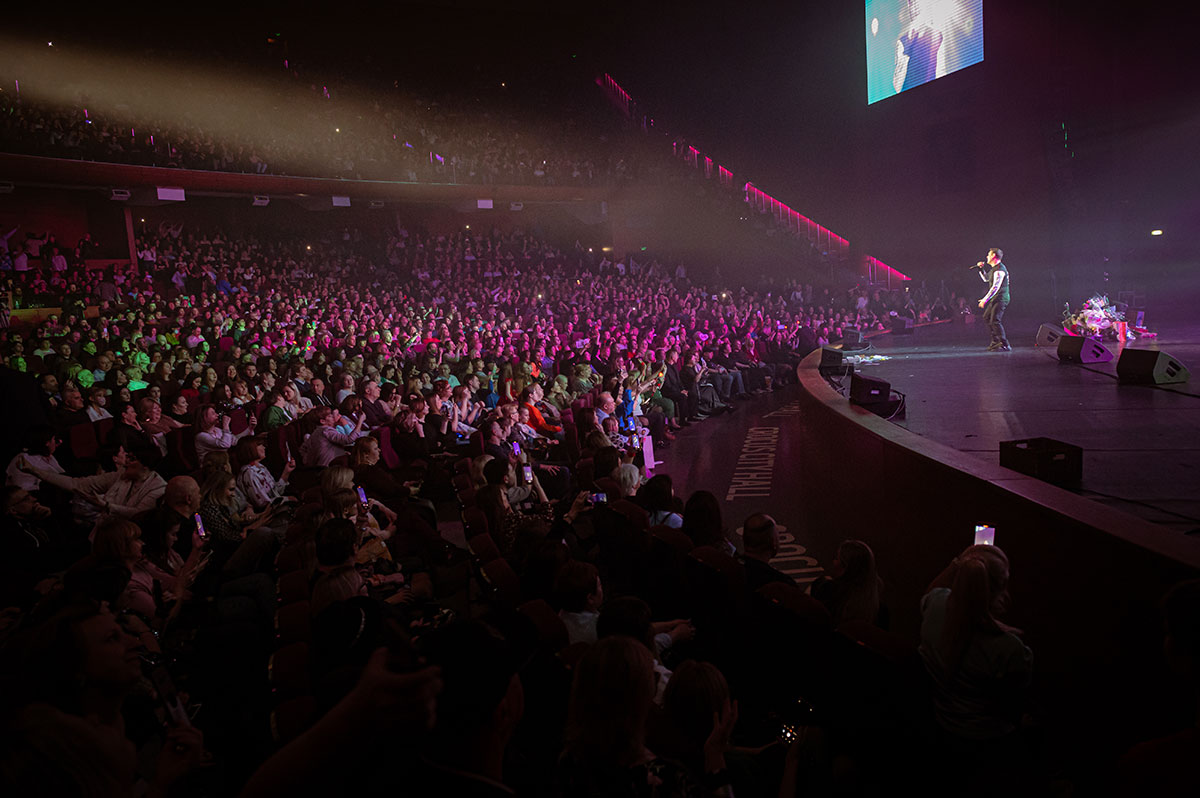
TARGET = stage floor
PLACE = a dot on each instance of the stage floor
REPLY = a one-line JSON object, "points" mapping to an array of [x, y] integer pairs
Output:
{"points": [[1141, 443]]}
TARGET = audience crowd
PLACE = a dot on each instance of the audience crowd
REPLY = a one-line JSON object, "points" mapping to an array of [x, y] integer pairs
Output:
{"points": [[381, 511], [293, 126]]}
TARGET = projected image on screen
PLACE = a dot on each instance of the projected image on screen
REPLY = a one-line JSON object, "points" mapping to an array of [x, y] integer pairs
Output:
{"points": [[910, 42]]}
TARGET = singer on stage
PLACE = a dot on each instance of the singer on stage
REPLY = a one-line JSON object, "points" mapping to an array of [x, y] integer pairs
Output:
{"points": [[995, 274]]}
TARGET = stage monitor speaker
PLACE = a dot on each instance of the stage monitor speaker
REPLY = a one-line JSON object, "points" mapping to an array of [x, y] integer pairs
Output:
{"points": [[1077, 349], [833, 363], [1044, 458], [1048, 335], [869, 390], [902, 325], [852, 338], [1150, 367]]}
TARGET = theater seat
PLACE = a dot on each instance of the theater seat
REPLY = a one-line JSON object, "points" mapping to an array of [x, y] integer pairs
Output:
{"points": [[293, 623], [634, 513], [390, 459], [483, 548], [288, 671], [82, 440], [552, 632], [474, 522], [293, 587], [503, 582]]}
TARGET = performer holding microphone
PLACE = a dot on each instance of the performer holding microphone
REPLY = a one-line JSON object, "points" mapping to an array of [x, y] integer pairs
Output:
{"points": [[995, 274]]}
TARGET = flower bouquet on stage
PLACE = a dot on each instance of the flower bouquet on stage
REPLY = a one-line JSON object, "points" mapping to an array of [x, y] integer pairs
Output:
{"points": [[1101, 319]]}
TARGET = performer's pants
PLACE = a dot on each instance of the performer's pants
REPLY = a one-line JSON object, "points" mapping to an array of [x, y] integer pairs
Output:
{"points": [[993, 313]]}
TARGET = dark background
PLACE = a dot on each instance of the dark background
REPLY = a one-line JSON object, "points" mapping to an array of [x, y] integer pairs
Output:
{"points": [[1074, 138]]}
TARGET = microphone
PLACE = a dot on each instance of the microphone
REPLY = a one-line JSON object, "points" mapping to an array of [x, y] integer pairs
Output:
{"points": [[979, 265]]}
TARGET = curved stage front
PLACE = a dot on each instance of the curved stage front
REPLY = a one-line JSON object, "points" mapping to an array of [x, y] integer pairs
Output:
{"points": [[1086, 577]]}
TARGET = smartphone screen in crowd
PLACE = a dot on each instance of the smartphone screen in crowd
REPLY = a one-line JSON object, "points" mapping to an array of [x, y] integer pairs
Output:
{"points": [[200, 526], [985, 535]]}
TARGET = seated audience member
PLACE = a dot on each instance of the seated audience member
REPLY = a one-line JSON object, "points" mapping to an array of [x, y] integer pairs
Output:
{"points": [[507, 524], [476, 470], [337, 577], [851, 592], [212, 436], [760, 544], [979, 668], [657, 498], [494, 441], [385, 704], [179, 409], [129, 433], [1166, 767], [97, 399], [414, 515], [630, 616], [504, 474], [278, 412], [702, 522], [375, 411], [155, 423], [629, 477], [28, 550], [118, 543], [533, 400], [696, 694], [76, 668], [481, 703], [70, 410], [241, 543], [408, 437], [256, 482], [128, 491], [326, 443], [605, 751], [39, 454], [579, 595]]}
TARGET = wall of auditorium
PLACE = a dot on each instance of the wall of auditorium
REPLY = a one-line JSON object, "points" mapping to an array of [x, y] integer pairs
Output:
{"points": [[66, 214]]}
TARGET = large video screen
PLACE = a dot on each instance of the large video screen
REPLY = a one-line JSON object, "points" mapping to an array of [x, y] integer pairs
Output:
{"points": [[910, 42]]}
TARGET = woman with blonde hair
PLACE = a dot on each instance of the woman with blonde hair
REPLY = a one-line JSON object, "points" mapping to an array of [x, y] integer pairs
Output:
{"points": [[605, 751], [978, 664], [852, 591]]}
